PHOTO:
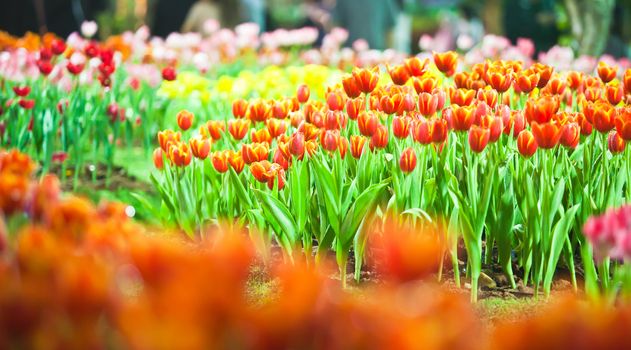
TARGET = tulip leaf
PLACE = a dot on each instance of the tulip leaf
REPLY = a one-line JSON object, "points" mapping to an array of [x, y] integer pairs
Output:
{"points": [[360, 208], [559, 233], [279, 215]]}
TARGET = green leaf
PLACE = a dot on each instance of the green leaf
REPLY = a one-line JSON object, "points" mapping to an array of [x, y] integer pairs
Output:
{"points": [[364, 203], [279, 215], [561, 230]]}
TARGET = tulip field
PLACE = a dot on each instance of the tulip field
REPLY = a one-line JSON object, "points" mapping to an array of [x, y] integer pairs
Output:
{"points": [[376, 194]]}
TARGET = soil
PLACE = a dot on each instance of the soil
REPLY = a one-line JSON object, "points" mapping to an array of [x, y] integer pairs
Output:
{"points": [[119, 179]]}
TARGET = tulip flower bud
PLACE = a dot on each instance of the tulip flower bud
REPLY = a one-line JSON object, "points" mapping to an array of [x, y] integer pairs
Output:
{"points": [[185, 119], [526, 144], [571, 135], [169, 74], [220, 161], [158, 159], [357, 145], [407, 162], [303, 93], [615, 143], [297, 144]]}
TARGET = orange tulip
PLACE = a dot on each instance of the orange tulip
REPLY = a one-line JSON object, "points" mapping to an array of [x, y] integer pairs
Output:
{"points": [[478, 138], [626, 81], [166, 137], [446, 62], [547, 135], [571, 135], [462, 117], [415, 66], [297, 144], [357, 145], [592, 93], [280, 109], [261, 135], [239, 108], [623, 123], [615, 143], [545, 73], [401, 127], [488, 96], [343, 146], [495, 126], [542, 109], [427, 104], [527, 80], [185, 119], [215, 128], [302, 94], [180, 154], [614, 93], [158, 158], [407, 162], [603, 119], [526, 143], [259, 110], [220, 161], [238, 128], [499, 80], [367, 122], [399, 74], [199, 147], [380, 137], [350, 86], [461, 97], [311, 147], [515, 121], [254, 152], [606, 72], [556, 86], [585, 125], [575, 80], [366, 79], [422, 131], [275, 127], [439, 130], [260, 170], [329, 140], [424, 84], [335, 100], [354, 106], [236, 161]]}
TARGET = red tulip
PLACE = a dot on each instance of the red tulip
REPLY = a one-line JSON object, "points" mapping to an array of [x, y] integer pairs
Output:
{"points": [[169, 73], [380, 137], [401, 127], [26, 103], [615, 143], [571, 135], [22, 91], [548, 134], [526, 143], [367, 122], [407, 162], [180, 154], [329, 140], [220, 161], [422, 131], [58, 47], [603, 117], [366, 79], [462, 117], [427, 104], [439, 130], [302, 94], [357, 145], [199, 147], [623, 123], [238, 128], [478, 138], [542, 109], [614, 94], [350, 86], [185, 119], [239, 108]]}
